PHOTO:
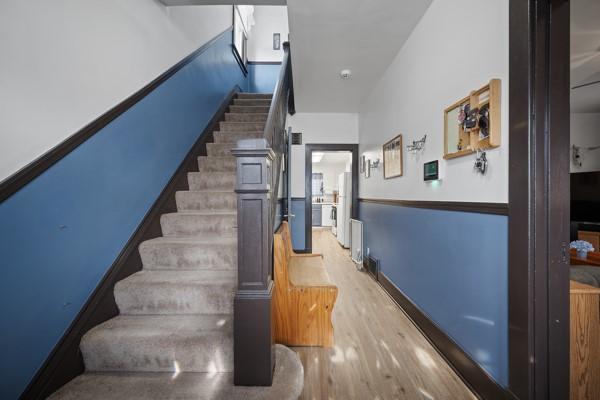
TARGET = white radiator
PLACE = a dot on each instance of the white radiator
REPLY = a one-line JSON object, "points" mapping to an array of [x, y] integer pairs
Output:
{"points": [[356, 242]]}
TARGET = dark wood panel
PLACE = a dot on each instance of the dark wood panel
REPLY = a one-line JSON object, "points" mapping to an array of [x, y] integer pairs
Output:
{"points": [[65, 361], [15, 182], [483, 208]]}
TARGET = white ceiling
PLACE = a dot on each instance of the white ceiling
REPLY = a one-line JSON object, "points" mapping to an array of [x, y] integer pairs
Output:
{"points": [[585, 55], [327, 36], [218, 2]]}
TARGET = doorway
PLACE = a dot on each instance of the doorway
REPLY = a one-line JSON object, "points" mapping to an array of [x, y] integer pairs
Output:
{"points": [[326, 195]]}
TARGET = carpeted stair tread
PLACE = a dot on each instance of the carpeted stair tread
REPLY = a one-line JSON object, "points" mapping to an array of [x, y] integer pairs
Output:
{"points": [[196, 201], [217, 164], [225, 126], [249, 109], [211, 180], [160, 343], [247, 95], [246, 117], [189, 253], [199, 224], [171, 292], [288, 379], [252, 102], [233, 137]]}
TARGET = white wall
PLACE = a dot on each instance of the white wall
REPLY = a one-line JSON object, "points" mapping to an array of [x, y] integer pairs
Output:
{"points": [[269, 20], [318, 128], [457, 47], [585, 132], [64, 63], [331, 172]]}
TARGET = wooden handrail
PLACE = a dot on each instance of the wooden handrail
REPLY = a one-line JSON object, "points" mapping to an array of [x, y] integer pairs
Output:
{"points": [[258, 176]]}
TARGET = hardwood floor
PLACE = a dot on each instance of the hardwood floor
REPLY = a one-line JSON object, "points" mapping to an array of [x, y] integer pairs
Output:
{"points": [[378, 352]]}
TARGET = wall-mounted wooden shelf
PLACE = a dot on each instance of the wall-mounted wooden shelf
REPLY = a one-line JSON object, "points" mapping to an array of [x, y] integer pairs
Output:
{"points": [[461, 141]]}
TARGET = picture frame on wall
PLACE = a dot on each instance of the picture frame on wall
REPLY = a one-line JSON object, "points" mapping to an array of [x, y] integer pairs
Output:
{"points": [[392, 158]]}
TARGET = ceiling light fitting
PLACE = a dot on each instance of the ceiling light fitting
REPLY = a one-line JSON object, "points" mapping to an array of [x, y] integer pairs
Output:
{"points": [[345, 74]]}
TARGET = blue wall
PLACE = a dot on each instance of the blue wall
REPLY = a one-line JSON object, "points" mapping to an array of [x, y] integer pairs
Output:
{"points": [[454, 267], [263, 77], [297, 224], [61, 232]]}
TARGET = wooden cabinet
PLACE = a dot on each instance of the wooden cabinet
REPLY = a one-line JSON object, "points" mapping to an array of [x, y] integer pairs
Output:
{"points": [[585, 341], [592, 237]]}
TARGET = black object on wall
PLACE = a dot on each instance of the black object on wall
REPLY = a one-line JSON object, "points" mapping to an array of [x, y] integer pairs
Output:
{"points": [[15, 182], [65, 362]]}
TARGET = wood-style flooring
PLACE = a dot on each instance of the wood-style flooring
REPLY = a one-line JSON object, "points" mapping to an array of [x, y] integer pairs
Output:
{"points": [[378, 351]]}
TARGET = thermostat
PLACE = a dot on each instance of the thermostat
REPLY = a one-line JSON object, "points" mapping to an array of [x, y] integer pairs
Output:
{"points": [[431, 171]]}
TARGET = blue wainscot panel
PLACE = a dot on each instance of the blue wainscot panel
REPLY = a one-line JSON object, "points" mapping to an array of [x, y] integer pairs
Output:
{"points": [[297, 224], [263, 77], [454, 267], [61, 232]]}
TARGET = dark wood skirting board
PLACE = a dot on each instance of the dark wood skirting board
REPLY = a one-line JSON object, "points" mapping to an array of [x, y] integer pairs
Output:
{"points": [[65, 361], [18, 180], [472, 374], [482, 208]]}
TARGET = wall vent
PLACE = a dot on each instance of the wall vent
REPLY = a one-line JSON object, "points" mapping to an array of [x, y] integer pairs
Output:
{"points": [[296, 137]]}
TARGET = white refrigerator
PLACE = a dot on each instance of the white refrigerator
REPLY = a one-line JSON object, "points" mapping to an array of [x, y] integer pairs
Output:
{"points": [[344, 208]]}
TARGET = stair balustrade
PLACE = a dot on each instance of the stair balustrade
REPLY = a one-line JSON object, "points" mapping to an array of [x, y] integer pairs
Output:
{"points": [[258, 176]]}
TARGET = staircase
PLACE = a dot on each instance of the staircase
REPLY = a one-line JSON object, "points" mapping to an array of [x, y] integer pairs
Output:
{"points": [[176, 314]]}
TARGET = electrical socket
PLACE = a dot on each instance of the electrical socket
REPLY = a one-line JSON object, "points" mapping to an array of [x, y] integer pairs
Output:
{"points": [[368, 251]]}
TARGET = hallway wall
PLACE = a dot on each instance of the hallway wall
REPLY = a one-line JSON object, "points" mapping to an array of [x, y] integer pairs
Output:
{"points": [[315, 128], [63, 231], [64, 63], [452, 265]]}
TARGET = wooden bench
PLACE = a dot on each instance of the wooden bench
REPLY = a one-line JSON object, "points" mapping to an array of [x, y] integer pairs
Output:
{"points": [[304, 295]]}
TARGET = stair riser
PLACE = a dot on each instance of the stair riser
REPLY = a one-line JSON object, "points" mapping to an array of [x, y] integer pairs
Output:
{"points": [[246, 117], [233, 137], [211, 181], [247, 109], [242, 126], [177, 299], [219, 149], [202, 201], [252, 102], [191, 256], [183, 225], [210, 351], [217, 164]]}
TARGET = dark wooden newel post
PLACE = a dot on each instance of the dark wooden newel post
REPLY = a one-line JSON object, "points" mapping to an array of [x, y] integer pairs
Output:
{"points": [[254, 356]]}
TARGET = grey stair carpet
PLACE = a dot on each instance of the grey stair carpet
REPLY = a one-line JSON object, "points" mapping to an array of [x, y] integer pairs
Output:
{"points": [[174, 335]]}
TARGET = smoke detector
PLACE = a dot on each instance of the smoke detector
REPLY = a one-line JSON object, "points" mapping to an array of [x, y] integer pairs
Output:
{"points": [[345, 74]]}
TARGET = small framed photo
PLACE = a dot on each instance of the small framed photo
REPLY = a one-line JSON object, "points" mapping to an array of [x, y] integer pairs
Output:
{"points": [[392, 158]]}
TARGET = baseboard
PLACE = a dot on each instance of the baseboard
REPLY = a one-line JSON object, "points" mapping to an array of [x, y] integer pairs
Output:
{"points": [[478, 380], [65, 361]]}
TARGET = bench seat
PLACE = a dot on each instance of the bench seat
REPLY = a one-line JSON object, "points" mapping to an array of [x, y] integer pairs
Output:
{"points": [[304, 295]]}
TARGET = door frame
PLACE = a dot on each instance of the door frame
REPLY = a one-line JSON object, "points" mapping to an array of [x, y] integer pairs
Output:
{"points": [[539, 205], [309, 148]]}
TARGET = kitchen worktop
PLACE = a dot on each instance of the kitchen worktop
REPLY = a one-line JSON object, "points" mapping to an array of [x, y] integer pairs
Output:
{"points": [[325, 203]]}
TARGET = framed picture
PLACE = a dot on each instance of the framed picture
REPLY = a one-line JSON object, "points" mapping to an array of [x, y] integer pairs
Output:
{"points": [[392, 158]]}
